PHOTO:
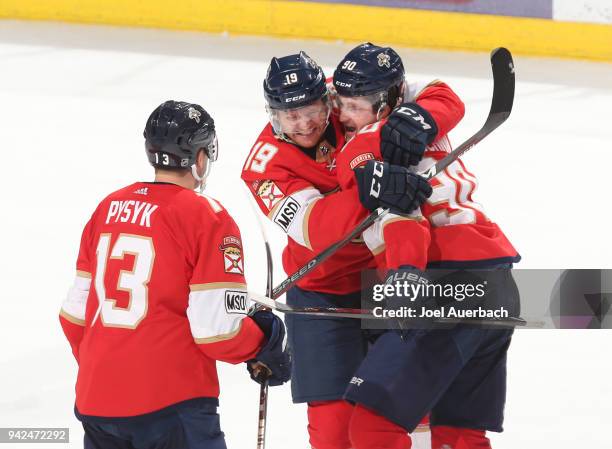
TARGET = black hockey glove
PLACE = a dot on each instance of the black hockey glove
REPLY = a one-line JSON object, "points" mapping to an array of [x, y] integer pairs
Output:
{"points": [[409, 293], [408, 131], [390, 186], [272, 355]]}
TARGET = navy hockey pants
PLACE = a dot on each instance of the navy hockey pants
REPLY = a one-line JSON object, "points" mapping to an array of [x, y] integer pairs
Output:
{"points": [[326, 351], [192, 424], [457, 375]]}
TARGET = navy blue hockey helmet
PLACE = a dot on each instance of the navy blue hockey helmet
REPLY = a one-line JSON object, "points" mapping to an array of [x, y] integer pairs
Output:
{"points": [[368, 69], [293, 81], [176, 131]]}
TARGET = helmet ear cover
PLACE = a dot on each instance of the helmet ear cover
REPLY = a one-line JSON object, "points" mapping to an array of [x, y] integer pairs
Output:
{"points": [[389, 98]]}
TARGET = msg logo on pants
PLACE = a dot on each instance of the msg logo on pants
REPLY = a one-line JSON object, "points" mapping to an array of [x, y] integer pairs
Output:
{"points": [[236, 302]]}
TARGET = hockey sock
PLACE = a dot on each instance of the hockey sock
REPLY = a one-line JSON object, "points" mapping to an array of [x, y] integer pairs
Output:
{"points": [[445, 437], [328, 424], [369, 430], [421, 436]]}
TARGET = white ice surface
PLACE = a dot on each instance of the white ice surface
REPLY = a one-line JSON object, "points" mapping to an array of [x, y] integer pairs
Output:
{"points": [[73, 103]]}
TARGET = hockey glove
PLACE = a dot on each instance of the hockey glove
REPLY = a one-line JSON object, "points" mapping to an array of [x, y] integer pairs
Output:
{"points": [[390, 186], [408, 301], [406, 134], [272, 355]]}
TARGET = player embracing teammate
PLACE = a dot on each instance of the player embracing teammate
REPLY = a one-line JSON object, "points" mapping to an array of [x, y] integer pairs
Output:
{"points": [[295, 169], [456, 375], [291, 172]]}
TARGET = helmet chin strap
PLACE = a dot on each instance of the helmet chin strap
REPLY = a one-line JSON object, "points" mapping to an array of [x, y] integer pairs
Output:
{"points": [[384, 101], [379, 113], [201, 179], [381, 107]]}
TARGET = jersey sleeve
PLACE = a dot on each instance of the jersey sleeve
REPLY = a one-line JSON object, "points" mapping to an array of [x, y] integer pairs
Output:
{"points": [[72, 313], [312, 219], [441, 102], [393, 240], [218, 302]]}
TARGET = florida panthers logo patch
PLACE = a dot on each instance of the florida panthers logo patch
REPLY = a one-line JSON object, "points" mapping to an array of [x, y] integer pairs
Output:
{"points": [[270, 194], [232, 255], [194, 114], [384, 60]]}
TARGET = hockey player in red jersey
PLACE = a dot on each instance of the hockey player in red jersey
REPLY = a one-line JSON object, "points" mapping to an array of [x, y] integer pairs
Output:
{"points": [[291, 172], [413, 136], [159, 297], [400, 380]]}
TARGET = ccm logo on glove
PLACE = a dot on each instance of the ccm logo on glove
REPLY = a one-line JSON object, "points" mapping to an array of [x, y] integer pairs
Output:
{"points": [[406, 134], [377, 173], [414, 115]]}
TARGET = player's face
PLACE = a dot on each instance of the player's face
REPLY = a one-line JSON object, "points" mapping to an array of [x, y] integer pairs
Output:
{"points": [[304, 126], [354, 114]]}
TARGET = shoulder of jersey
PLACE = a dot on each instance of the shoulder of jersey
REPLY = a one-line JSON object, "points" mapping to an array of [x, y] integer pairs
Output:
{"points": [[214, 206], [197, 204], [415, 89]]}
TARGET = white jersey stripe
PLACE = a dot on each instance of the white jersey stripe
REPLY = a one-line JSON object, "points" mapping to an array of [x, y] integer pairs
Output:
{"points": [[76, 299], [215, 314]]}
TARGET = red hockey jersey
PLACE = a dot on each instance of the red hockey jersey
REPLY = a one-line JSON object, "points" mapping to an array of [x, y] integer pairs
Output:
{"points": [[461, 235], [159, 296], [300, 194]]}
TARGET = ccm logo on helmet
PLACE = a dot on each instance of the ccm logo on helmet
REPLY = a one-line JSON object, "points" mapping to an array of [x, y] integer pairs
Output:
{"points": [[299, 97], [340, 83]]}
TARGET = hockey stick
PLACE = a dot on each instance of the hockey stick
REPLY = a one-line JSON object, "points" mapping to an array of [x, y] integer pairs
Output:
{"points": [[501, 106], [337, 312], [345, 312], [263, 373], [263, 389]]}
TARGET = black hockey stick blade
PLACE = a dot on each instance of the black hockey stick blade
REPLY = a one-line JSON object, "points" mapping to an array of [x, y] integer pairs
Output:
{"points": [[503, 89], [502, 66], [501, 106]]}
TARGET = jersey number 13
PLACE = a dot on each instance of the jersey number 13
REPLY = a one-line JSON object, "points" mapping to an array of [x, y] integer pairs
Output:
{"points": [[134, 282]]}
